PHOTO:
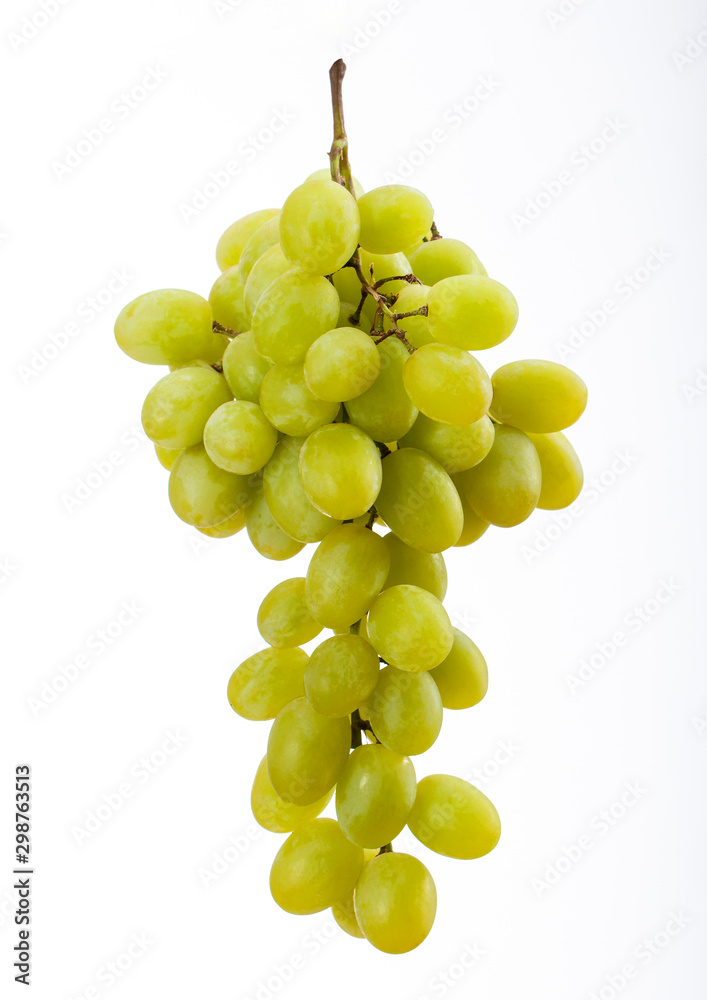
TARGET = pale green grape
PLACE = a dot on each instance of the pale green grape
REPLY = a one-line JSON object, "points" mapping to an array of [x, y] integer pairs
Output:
{"points": [[346, 573], [443, 258], [538, 396], [295, 310], [202, 494], [405, 710], [474, 526], [167, 456], [243, 368], [471, 311], [265, 533], [456, 448], [285, 496], [419, 502], [239, 438], [462, 677], [395, 901], [266, 269], [341, 673], [454, 818], [325, 175], [263, 239], [341, 364], [374, 795], [177, 408], [343, 911], [447, 384], [306, 752], [230, 246], [166, 327], [409, 627], [411, 566], [319, 226], [283, 617], [272, 812], [289, 403], [267, 681], [385, 411], [227, 301], [393, 217], [505, 487], [226, 529], [561, 470], [340, 469], [416, 328], [315, 867]]}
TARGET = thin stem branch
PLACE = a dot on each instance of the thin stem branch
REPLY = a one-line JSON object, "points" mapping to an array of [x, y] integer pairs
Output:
{"points": [[225, 330], [410, 278]]}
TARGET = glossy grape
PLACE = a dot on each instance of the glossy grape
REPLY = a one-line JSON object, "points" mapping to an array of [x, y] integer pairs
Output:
{"points": [[560, 468], [393, 217], [306, 752], [447, 384], [292, 313], [177, 408], [227, 300], [538, 396], [346, 573], [289, 504], [412, 566], [244, 369], [471, 311], [340, 470], [265, 533], [166, 327], [452, 817], [341, 673], [202, 494], [283, 617], [374, 795], [272, 812], [405, 710], [315, 867], [395, 901], [319, 226], [341, 364], [385, 411], [409, 627], [267, 681], [456, 448], [462, 677], [505, 487], [231, 243]]}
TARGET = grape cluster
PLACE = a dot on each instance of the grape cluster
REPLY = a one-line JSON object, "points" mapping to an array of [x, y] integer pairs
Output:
{"points": [[326, 393]]}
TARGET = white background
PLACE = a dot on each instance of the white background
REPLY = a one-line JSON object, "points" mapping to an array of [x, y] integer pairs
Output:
{"points": [[538, 599]]}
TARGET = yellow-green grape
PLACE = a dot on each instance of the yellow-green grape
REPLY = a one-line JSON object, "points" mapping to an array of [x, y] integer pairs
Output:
{"points": [[289, 403], [462, 677], [319, 226], [306, 752], [393, 217], [345, 575], [232, 242], [227, 301], [167, 456], [374, 795], [504, 489], [395, 902], [267, 681], [243, 368], [348, 287], [411, 566], [447, 384], [454, 818], [456, 448], [405, 710], [385, 411], [409, 627], [177, 408], [419, 502], [285, 496], [443, 258], [315, 867], [261, 241], [239, 438], [273, 813], [266, 535], [226, 529], [391, 265], [202, 494], [416, 329], [341, 673], [538, 396], [295, 310], [283, 617], [474, 526], [341, 364], [266, 269], [166, 327], [340, 469], [343, 911], [325, 175], [471, 311], [346, 311], [561, 470]]}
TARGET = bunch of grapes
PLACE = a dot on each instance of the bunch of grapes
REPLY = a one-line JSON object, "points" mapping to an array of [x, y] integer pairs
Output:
{"points": [[326, 393]]}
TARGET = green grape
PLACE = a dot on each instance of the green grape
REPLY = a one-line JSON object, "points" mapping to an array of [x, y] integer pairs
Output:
{"points": [[561, 470], [227, 301], [229, 248], [416, 329], [262, 240], [266, 269], [346, 573], [405, 710], [225, 529], [385, 411], [341, 364], [325, 175], [471, 311], [411, 566], [456, 448], [474, 526], [273, 813], [283, 617], [348, 287], [504, 488], [444, 258], [167, 456], [390, 265], [319, 226], [315, 867], [239, 438], [409, 627], [538, 396], [343, 911], [166, 327], [393, 217], [295, 310], [267, 681], [374, 795], [346, 311], [289, 504], [178, 407], [419, 502], [462, 677], [243, 368], [265, 534], [454, 818], [395, 902], [341, 673], [290, 405], [202, 494], [447, 384], [306, 752], [340, 469]]}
